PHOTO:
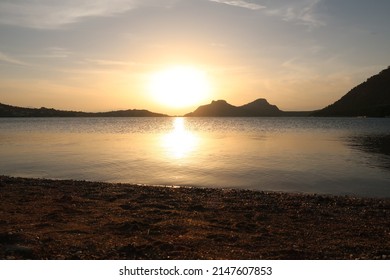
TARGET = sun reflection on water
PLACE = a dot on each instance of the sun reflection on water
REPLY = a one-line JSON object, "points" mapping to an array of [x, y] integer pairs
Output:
{"points": [[179, 142]]}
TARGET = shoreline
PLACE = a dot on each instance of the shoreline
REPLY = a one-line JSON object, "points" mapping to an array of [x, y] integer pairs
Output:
{"points": [[67, 219]]}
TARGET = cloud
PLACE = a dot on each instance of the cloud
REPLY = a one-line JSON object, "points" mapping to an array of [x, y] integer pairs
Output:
{"points": [[241, 4], [304, 12], [299, 11], [54, 14], [8, 59], [111, 63], [57, 52]]}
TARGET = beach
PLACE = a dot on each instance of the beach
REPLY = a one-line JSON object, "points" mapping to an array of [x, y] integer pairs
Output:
{"points": [[66, 219]]}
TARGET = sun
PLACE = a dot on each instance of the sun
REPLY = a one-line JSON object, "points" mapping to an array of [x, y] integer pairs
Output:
{"points": [[179, 86]]}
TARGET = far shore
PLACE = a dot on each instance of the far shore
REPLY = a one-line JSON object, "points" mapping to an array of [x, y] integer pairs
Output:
{"points": [[66, 219]]}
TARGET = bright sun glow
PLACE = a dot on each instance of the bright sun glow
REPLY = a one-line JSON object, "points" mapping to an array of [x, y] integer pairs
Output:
{"points": [[179, 86]]}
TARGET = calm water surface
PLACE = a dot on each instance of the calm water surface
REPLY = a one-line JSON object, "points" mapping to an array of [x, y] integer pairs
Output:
{"points": [[321, 155]]}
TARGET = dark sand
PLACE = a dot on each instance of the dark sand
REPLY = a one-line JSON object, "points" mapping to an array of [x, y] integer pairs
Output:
{"points": [[46, 219]]}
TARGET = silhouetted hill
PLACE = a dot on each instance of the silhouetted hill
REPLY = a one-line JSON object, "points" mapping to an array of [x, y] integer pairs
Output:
{"points": [[220, 108], [258, 108], [371, 98], [13, 111], [129, 113]]}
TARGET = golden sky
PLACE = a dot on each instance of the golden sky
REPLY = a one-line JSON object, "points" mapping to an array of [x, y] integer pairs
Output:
{"points": [[110, 54]]}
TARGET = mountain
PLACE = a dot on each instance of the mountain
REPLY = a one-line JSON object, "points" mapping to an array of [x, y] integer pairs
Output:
{"points": [[220, 108], [371, 99], [13, 111], [129, 113], [260, 107]]}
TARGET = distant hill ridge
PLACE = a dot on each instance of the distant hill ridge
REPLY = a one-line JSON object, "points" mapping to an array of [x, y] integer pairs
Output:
{"points": [[13, 111], [371, 99], [220, 108]]}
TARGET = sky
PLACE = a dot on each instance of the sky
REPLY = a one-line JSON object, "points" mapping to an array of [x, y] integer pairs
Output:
{"points": [[100, 55]]}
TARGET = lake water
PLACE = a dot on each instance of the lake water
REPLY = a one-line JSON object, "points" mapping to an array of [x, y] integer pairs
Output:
{"points": [[310, 155]]}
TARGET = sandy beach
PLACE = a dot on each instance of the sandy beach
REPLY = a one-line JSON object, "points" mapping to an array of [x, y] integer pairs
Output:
{"points": [[65, 219]]}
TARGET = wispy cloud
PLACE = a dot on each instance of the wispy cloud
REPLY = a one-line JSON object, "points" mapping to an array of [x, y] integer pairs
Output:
{"points": [[302, 12], [298, 11], [11, 60], [58, 52], [241, 4], [54, 14], [49, 53], [308, 14], [111, 63]]}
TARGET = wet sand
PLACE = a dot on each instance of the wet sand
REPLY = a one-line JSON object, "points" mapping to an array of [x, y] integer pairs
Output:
{"points": [[53, 219]]}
